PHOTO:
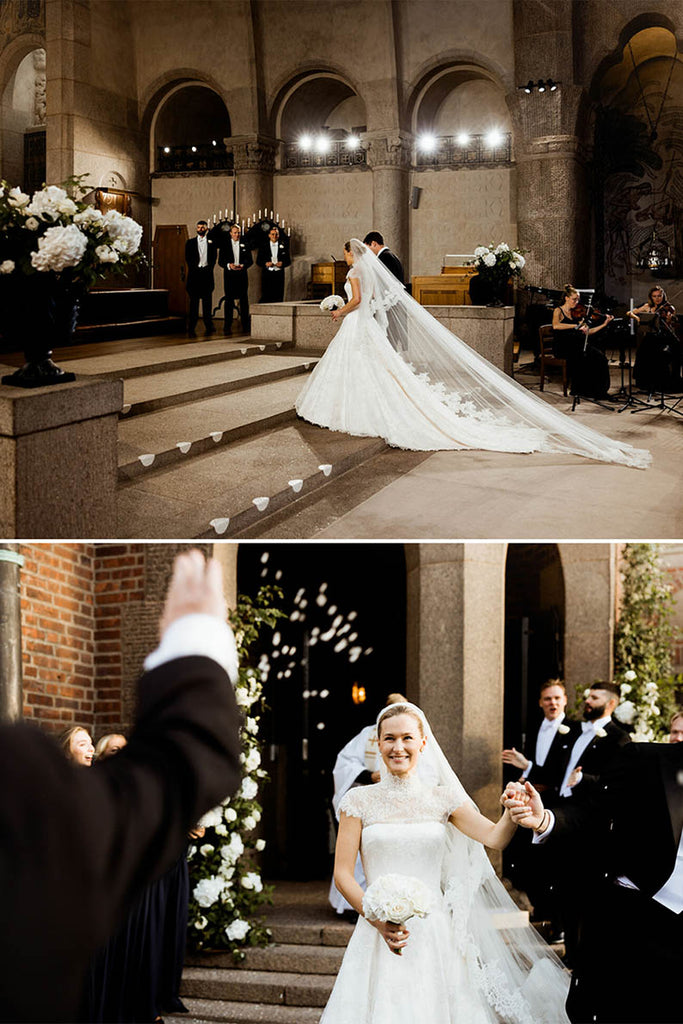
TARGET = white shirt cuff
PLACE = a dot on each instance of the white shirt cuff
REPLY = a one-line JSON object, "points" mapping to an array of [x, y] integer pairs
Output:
{"points": [[525, 773], [537, 840], [197, 635]]}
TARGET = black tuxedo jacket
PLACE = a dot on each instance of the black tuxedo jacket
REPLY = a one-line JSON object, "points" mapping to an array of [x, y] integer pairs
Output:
{"points": [[598, 756], [225, 255], [264, 254], [548, 777], [392, 263], [78, 844], [196, 280]]}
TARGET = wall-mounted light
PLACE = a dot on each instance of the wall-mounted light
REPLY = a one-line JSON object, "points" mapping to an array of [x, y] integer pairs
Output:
{"points": [[543, 85], [305, 142], [462, 139], [352, 142], [427, 143], [322, 144], [493, 138], [194, 149], [167, 149]]}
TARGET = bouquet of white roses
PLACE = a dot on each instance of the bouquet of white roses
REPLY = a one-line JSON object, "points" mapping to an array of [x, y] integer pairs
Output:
{"points": [[54, 231], [396, 898], [332, 302], [500, 261]]}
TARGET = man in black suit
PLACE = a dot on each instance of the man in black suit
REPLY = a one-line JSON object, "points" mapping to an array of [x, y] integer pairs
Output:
{"points": [[273, 257], [375, 241], [598, 743], [536, 875], [200, 256], [235, 258], [630, 947], [77, 845]]}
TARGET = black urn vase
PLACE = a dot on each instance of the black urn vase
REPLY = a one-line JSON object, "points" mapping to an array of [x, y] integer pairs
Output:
{"points": [[39, 313]]}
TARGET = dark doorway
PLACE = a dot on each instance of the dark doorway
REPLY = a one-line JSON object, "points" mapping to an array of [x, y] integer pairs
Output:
{"points": [[534, 634], [346, 628]]}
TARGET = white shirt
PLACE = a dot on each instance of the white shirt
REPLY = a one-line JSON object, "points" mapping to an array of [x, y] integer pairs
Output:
{"points": [[546, 735], [235, 251], [197, 634], [582, 743], [203, 247], [382, 249], [274, 253]]}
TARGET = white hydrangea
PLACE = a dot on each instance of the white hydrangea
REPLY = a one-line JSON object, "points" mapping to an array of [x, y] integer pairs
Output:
{"points": [[59, 248], [248, 789], [18, 199], [206, 849], [503, 247], [249, 823], [489, 260], [32, 223], [260, 845], [89, 217], [7, 266], [481, 250], [106, 254], [124, 232], [201, 922], [211, 818], [237, 930], [630, 675], [625, 712], [252, 880], [207, 890], [51, 203]]}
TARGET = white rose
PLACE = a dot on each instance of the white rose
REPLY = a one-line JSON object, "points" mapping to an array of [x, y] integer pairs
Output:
{"points": [[251, 760], [59, 248], [489, 260], [252, 881], [89, 217], [230, 814], [503, 247], [232, 850], [237, 930], [481, 250], [206, 849], [248, 789], [32, 223], [201, 922], [106, 254], [251, 725], [625, 712], [243, 697], [260, 845], [630, 675], [249, 823], [221, 830], [7, 266], [207, 890], [17, 198], [519, 259], [256, 814], [625, 688]]}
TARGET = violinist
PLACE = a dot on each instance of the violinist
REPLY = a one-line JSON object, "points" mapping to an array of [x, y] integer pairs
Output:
{"points": [[587, 365], [659, 356]]}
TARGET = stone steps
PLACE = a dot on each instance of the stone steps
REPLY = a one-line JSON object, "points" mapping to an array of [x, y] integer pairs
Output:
{"points": [[204, 1010], [281, 988], [297, 957]]}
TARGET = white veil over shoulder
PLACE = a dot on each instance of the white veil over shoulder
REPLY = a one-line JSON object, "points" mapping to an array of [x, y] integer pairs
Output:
{"points": [[496, 413], [523, 981]]}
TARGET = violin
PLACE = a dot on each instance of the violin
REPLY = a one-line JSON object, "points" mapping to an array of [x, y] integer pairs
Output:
{"points": [[585, 319]]}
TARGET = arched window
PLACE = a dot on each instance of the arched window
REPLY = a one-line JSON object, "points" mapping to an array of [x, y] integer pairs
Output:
{"points": [[190, 130], [23, 123], [320, 120]]}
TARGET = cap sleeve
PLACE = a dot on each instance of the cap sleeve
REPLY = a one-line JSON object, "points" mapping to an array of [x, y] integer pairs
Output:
{"points": [[352, 802], [353, 272], [452, 798]]}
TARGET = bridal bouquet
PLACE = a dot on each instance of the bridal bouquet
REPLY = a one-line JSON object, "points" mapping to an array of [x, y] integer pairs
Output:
{"points": [[331, 302], [396, 898]]}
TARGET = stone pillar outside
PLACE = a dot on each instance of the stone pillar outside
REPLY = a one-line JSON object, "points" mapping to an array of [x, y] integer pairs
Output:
{"points": [[58, 459], [11, 694], [389, 156], [225, 552], [455, 656], [589, 572]]}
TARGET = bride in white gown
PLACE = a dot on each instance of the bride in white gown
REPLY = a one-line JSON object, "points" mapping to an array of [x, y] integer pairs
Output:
{"points": [[393, 371], [470, 960]]}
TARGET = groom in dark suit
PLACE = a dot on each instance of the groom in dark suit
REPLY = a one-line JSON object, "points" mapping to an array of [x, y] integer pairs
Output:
{"points": [[235, 258], [77, 845], [384, 254], [631, 911]]}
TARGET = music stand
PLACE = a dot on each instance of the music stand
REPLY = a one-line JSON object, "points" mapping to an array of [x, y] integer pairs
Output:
{"points": [[633, 403]]}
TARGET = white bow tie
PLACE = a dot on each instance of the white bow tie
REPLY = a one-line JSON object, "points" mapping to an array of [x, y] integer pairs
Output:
{"points": [[586, 726]]}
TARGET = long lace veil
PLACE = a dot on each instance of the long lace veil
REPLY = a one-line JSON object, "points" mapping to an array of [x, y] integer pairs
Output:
{"points": [[523, 980], [469, 384]]}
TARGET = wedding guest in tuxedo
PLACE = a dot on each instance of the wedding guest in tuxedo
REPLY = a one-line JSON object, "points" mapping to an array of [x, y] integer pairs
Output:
{"points": [[235, 258], [676, 727], [273, 257], [537, 876], [630, 948], [598, 743], [200, 256], [77, 745], [375, 241], [77, 847]]}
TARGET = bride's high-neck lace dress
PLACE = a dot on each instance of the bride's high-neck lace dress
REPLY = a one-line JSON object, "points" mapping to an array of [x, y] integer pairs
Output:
{"points": [[456, 968]]}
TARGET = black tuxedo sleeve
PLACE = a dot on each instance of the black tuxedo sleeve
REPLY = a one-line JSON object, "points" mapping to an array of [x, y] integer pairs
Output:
{"points": [[247, 258], [77, 844], [191, 252], [392, 263]]}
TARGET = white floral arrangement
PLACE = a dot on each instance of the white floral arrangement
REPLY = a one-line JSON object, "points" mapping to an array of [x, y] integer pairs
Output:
{"points": [[397, 898], [54, 231], [226, 888], [331, 302], [498, 261]]}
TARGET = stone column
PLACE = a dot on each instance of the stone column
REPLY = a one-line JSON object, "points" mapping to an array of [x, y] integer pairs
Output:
{"points": [[67, 32], [254, 158], [589, 572], [389, 156], [11, 695], [552, 188], [455, 663]]}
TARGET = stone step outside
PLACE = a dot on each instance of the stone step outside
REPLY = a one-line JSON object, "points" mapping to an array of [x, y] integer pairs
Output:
{"points": [[203, 1011], [182, 499], [301, 933], [180, 387], [278, 987], [288, 957]]}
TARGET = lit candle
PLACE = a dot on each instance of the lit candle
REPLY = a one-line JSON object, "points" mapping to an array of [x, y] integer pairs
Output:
{"points": [[220, 215], [277, 217], [259, 215], [271, 214], [231, 213], [214, 218]]}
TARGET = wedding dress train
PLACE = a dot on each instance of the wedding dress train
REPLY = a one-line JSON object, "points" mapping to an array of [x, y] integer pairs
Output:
{"points": [[393, 371]]}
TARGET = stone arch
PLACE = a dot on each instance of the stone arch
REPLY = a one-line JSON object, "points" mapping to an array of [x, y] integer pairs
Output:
{"points": [[453, 84], [162, 89], [645, 20], [18, 110], [333, 90]]}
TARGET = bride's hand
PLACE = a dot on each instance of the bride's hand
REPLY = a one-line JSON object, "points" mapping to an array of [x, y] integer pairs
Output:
{"points": [[395, 935], [336, 314]]}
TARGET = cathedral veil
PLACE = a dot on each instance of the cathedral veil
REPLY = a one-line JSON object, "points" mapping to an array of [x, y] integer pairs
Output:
{"points": [[523, 981], [497, 413]]}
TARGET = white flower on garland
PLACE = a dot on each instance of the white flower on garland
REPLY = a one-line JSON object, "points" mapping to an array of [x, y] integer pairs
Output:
{"points": [[6, 267], [252, 881], [331, 302], [248, 789], [221, 829], [260, 845], [249, 823], [59, 248], [251, 725], [230, 814], [232, 850], [207, 890], [625, 712], [206, 849], [237, 930], [201, 922], [211, 818], [252, 760]]}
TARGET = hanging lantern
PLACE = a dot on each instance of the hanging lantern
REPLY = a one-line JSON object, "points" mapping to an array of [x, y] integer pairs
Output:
{"points": [[653, 254]]}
